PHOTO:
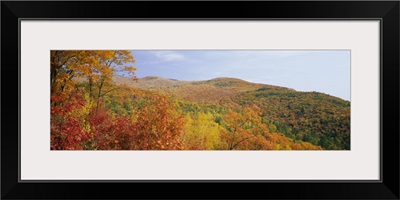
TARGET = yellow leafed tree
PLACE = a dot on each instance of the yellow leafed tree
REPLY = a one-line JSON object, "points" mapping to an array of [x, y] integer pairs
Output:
{"points": [[201, 132]]}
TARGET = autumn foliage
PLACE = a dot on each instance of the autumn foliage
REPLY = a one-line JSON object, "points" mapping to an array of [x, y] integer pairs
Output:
{"points": [[90, 111]]}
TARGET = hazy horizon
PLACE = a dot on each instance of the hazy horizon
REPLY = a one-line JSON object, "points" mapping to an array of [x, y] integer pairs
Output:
{"points": [[325, 71]]}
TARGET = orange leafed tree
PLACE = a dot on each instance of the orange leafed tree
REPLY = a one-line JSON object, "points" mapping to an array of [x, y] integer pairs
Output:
{"points": [[242, 129], [71, 105]]}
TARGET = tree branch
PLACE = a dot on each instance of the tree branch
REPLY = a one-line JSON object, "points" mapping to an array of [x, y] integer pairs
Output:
{"points": [[234, 146]]}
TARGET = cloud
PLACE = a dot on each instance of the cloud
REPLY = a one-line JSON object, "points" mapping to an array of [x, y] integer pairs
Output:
{"points": [[167, 55], [256, 54]]}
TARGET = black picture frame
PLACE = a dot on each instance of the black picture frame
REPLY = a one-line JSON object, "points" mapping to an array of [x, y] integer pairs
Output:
{"points": [[386, 11]]}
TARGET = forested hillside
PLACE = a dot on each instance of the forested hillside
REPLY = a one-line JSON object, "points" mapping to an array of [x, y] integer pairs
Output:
{"points": [[94, 109]]}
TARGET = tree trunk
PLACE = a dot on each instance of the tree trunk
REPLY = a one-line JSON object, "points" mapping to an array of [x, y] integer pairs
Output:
{"points": [[99, 95]]}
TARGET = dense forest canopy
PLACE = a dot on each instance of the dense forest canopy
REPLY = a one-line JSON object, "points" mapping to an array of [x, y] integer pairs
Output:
{"points": [[94, 109]]}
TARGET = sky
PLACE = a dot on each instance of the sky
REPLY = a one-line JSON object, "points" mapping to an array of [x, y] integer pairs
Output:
{"points": [[326, 71]]}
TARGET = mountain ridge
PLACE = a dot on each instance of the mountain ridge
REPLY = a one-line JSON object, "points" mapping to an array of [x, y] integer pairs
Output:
{"points": [[157, 81]]}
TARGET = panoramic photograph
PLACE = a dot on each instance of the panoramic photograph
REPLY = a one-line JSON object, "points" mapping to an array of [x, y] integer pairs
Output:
{"points": [[200, 100]]}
